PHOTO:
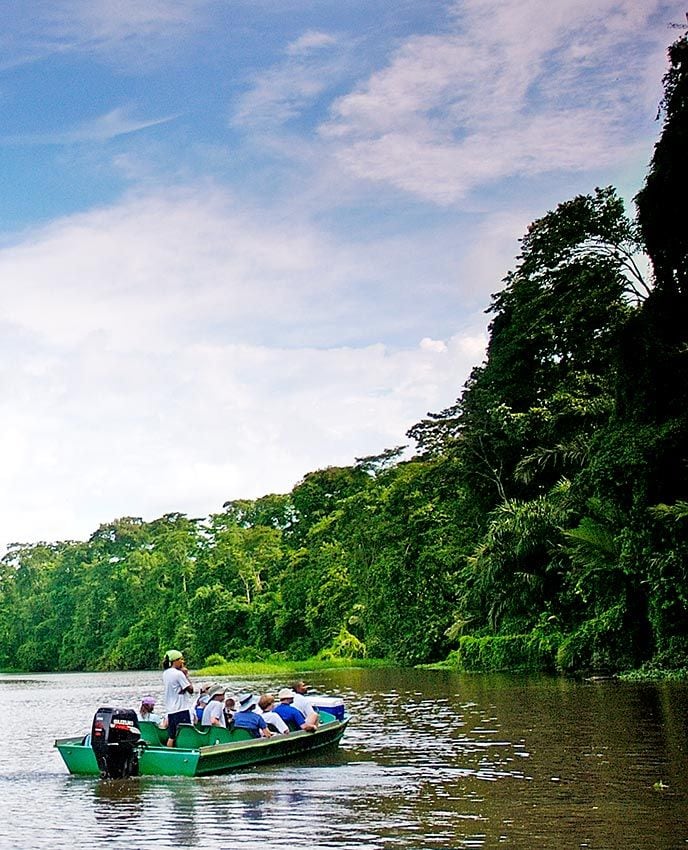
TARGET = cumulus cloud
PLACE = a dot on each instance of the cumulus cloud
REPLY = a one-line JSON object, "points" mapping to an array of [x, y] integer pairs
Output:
{"points": [[92, 434], [168, 353], [453, 111]]}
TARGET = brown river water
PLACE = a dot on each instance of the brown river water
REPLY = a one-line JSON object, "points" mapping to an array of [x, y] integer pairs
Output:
{"points": [[431, 759]]}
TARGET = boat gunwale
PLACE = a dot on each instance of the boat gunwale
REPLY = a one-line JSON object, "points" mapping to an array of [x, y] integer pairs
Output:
{"points": [[273, 741]]}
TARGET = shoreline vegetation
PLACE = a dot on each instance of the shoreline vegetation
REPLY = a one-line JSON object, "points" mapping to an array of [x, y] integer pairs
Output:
{"points": [[293, 669], [538, 524], [286, 668]]}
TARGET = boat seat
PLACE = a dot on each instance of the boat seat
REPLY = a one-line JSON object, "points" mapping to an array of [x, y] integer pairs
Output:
{"points": [[241, 735], [191, 737], [228, 736], [152, 734], [217, 734]]}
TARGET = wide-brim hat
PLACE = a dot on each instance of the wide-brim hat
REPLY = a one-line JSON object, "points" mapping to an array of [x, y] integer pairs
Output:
{"points": [[215, 690], [246, 701], [286, 693]]}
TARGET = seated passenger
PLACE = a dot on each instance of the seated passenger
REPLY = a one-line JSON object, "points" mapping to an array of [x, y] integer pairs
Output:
{"points": [[214, 711], [230, 708], [201, 703], [146, 712], [301, 701], [266, 706], [292, 716], [246, 718]]}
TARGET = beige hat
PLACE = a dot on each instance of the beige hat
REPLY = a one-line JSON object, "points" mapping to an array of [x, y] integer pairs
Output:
{"points": [[286, 693]]}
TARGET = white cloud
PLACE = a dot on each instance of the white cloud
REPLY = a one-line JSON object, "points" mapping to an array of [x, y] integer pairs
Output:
{"points": [[291, 86], [156, 357], [162, 267], [279, 95], [104, 23], [309, 41], [458, 110], [98, 434], [119, 31], [116, 122]]}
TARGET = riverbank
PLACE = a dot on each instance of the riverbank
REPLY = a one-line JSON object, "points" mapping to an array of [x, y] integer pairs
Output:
{"points": [[286, 668]]}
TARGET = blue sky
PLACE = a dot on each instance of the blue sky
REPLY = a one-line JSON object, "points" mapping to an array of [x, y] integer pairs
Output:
{"points": [[241, 240]]}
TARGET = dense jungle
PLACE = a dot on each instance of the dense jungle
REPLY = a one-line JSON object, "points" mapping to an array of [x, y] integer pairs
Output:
{"points": [[538, 523]]}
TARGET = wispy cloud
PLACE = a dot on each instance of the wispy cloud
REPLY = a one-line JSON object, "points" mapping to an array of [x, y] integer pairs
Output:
{"points": [[454, 111], [313, 63], [117, 122], [123, 31], [310, 41]]}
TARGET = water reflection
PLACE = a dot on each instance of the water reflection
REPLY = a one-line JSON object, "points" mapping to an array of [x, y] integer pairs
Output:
{"points": [[431, 760]]}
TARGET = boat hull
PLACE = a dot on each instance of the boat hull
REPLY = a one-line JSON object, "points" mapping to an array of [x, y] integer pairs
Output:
{"points": [[155, 759]]}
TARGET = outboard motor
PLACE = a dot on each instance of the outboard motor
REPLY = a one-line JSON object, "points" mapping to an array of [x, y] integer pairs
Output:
{"points": [[115, 736]]}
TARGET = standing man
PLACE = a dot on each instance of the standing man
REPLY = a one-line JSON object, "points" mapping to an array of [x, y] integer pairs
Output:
{"points": [[177, 685]]}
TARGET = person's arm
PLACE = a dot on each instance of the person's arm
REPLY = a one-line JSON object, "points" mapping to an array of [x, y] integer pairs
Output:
{"points": [[189, 689], [311, 722], [263, 726]]}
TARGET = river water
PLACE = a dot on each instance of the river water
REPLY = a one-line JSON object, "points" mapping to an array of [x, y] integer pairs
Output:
{"points": [[431, 759]]}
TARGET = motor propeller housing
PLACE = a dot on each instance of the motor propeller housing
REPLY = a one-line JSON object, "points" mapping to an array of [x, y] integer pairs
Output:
{"points": [[115, 737]]}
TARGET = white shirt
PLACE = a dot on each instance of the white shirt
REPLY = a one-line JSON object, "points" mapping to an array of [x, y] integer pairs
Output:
{"points": [[214, 709], [274, 719], [175, 684], [151, 715], [304, 705]]}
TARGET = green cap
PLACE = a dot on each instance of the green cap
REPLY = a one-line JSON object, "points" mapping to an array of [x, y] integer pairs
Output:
{"points": [[173, 655]]}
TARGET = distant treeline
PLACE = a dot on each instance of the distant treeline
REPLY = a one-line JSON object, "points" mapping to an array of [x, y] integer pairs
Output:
{"points": [[541, 524]]}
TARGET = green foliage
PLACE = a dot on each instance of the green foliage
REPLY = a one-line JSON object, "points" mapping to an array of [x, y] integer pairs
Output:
{"points": [[598, 645], [516, 571], [664, 194], [491, 653], [345, 645]]}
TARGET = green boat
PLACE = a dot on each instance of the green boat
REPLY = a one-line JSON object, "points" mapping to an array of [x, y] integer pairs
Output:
{"points": [[199, 751]]}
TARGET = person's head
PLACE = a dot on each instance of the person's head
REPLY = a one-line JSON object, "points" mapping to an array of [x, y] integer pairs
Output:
{"points": [[299, 687], [173, 658], [217, 692], [286, 695], [230, 703], [247, 702], [147, 705], [266, 702]]}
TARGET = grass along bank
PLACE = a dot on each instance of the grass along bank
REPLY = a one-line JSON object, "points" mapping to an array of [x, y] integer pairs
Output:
{"points": [[216, 665]]}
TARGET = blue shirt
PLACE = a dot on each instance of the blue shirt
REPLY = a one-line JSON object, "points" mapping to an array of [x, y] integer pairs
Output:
{"points": [[291, 716], [251, 721]]}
